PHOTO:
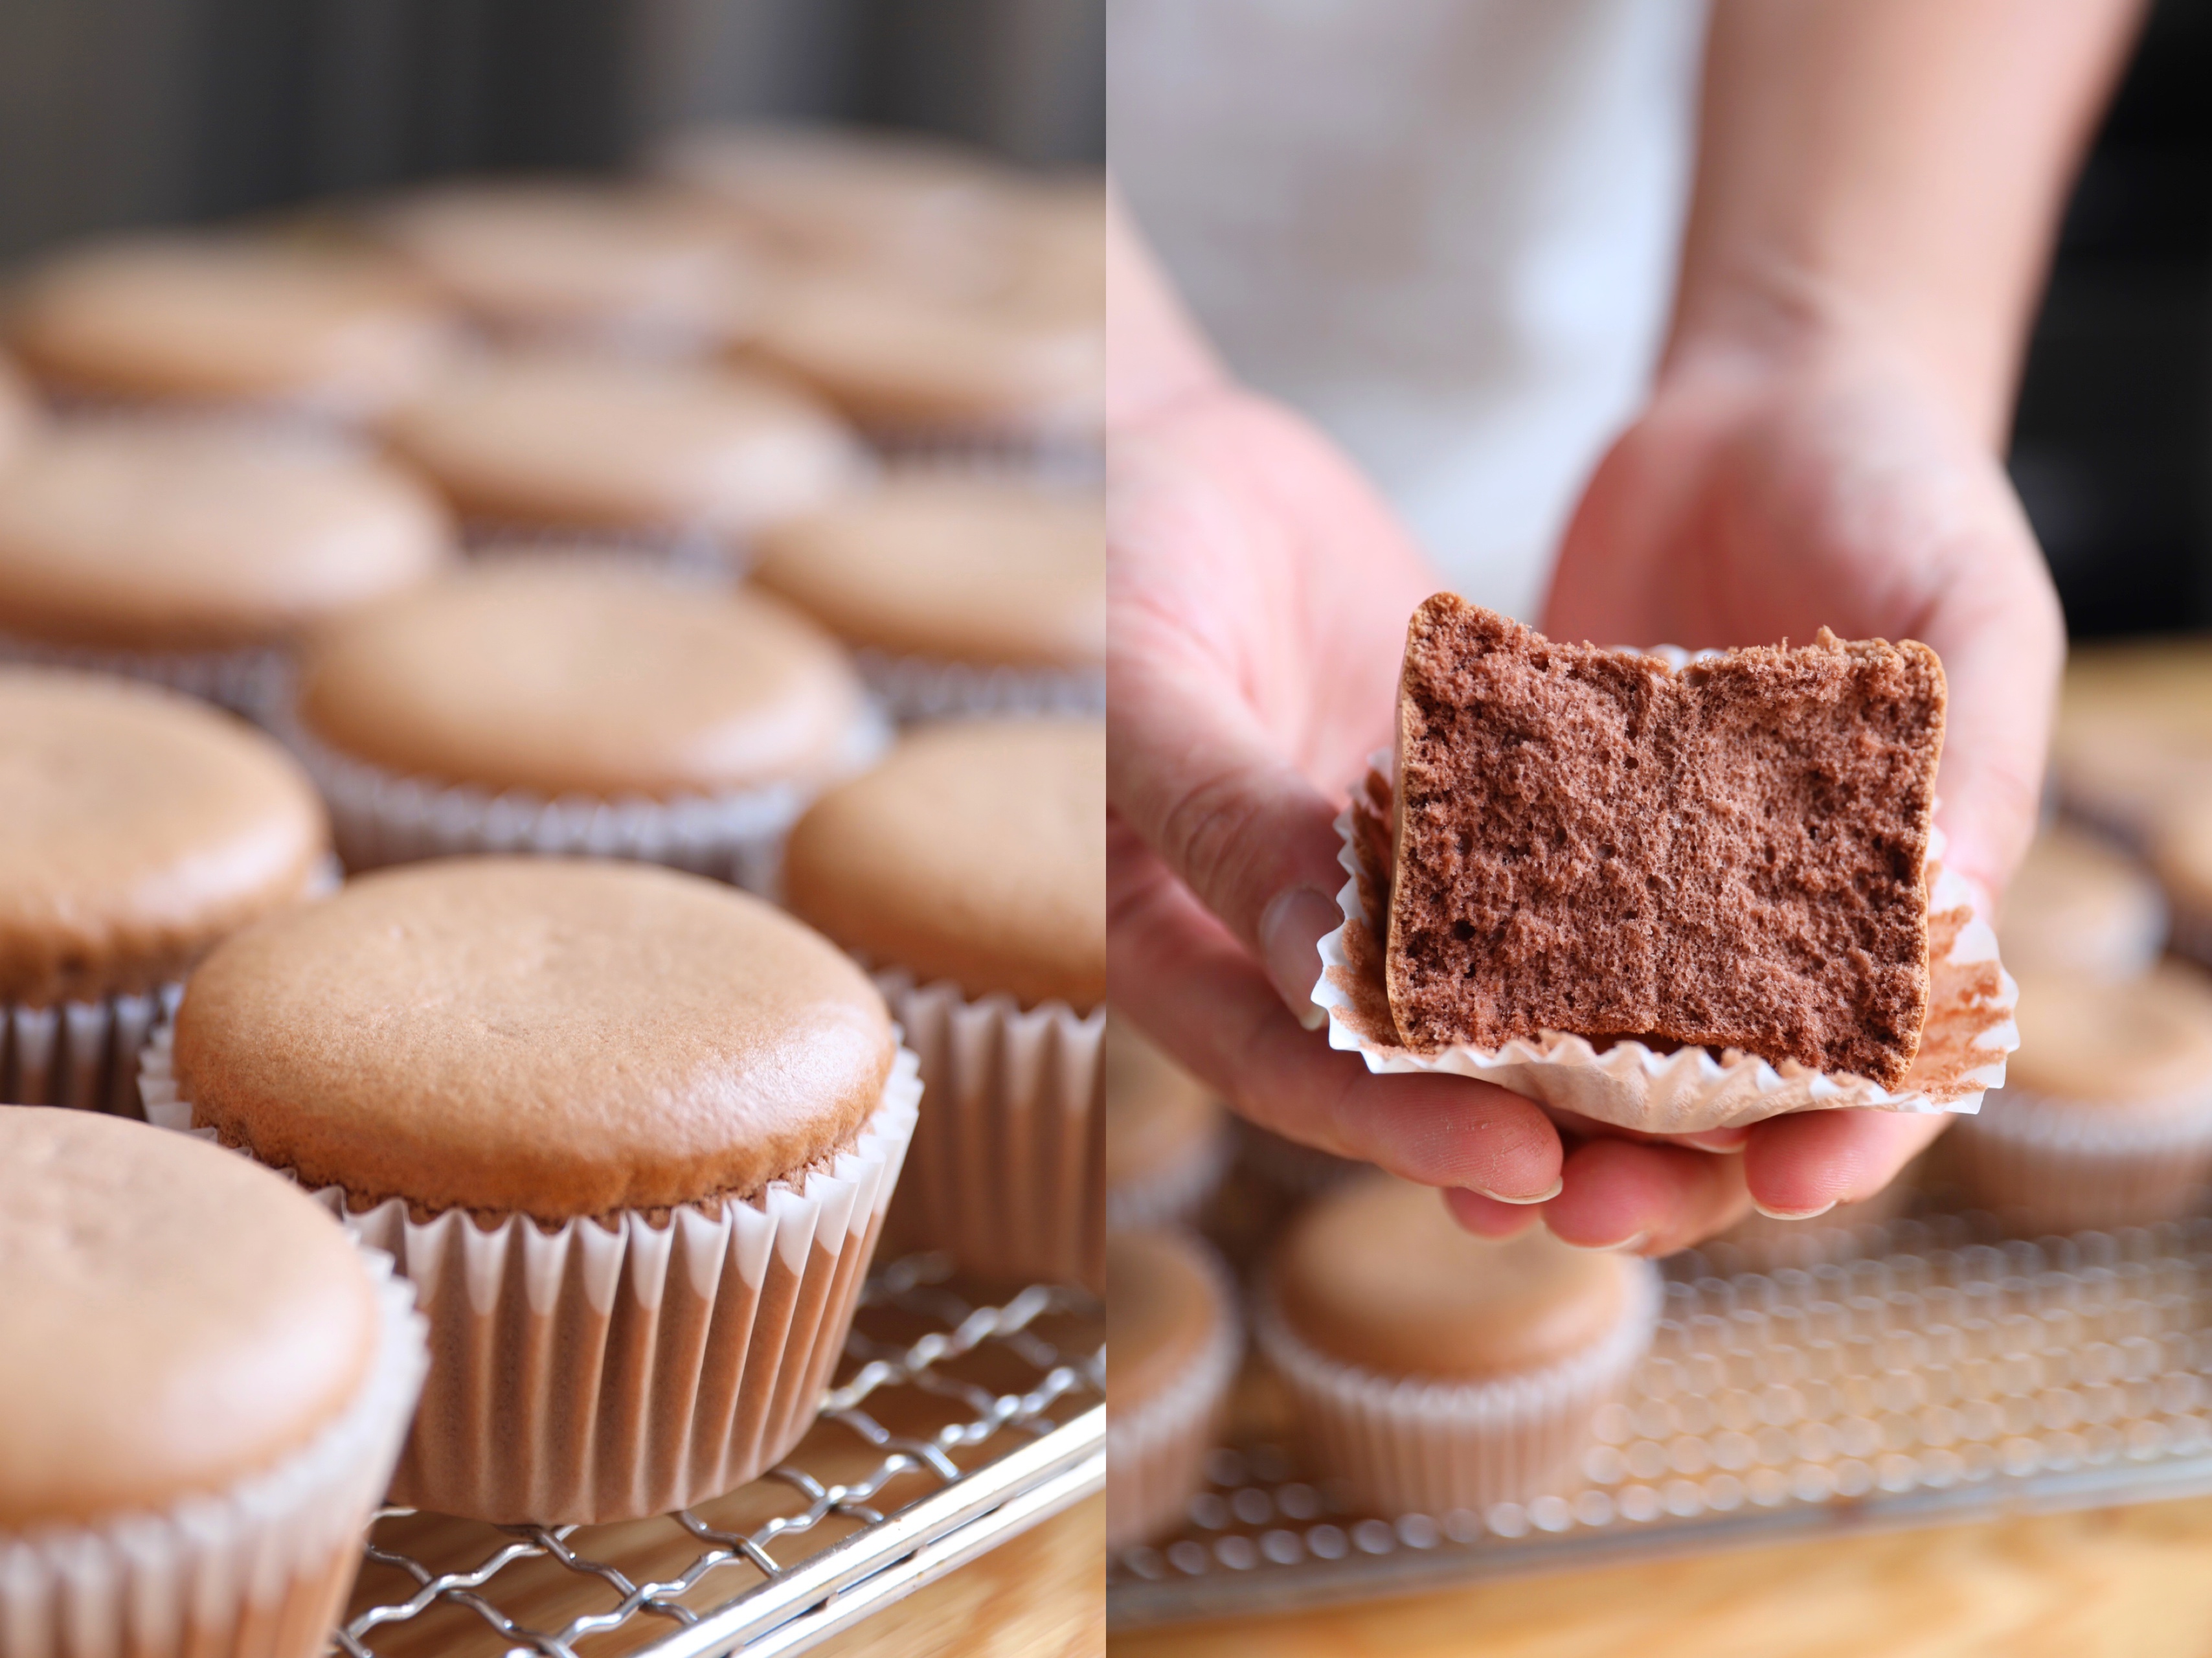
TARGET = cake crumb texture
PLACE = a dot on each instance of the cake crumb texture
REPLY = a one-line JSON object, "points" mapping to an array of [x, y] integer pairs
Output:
{"points": [[1733, 855]]}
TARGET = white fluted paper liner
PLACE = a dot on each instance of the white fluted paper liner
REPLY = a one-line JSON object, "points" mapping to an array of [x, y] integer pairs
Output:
{"points": [[1412, 1445], [692, 551], [1968, 1031], [1156, 1453], [916, 688], [239, 680], [1172, 1195], [1007, 1174], [2069, 1166], [611, 1370], [260, 1571], [84, 1054], [980, 450], [380, 817]]}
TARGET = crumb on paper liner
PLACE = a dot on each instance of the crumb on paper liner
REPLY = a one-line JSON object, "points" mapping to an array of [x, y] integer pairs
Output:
{"points": [[1969, 1030]]}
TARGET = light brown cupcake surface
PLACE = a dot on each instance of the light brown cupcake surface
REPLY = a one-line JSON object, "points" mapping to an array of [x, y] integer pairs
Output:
{"points": [[2107, 1044], [975, 853], [229, 318], [185, 535], [1163, 1310], [1377, 1274], [961, 571], [173, 1319], [2080, 904], [1157, 1114], [538, 1036], [20, 414], [136, 828], [563, 439], [564, 676]]}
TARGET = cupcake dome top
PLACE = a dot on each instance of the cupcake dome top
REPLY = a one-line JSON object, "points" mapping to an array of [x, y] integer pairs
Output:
{"points": [[558, 438], [959, 569], [136, 828], [1156, 1112], [225, 318], [538, 1036], [2141, 1041], [566, 675], [1377, 1274], [1163, 1304], [189, 534], [2080, 904], [975, 853], [171, 1318]]}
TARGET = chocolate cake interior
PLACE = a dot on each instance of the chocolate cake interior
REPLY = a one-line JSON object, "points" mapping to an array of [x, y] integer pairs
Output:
{"points": [[1733, 855]]}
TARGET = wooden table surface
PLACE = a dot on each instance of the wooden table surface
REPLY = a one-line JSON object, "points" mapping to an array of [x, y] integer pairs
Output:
{"points": [[2132, 1583]]}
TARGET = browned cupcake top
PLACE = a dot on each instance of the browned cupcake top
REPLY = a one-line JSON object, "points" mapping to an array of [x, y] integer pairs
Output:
{"points": [[963, 570], [228, 317], [571, 676], [1163, 1306], [558, 438], [975, 853], [188, 534], [541, 1036], [2080, 904], [173, 1319], [136, 828], [2113, 1043], [1377, 1274], [1157, 1114]]}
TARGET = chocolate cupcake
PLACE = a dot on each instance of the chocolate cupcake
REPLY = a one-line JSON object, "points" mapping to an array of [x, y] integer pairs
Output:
{"points": [[629, 1132], [969, 869], [196, 553], [960, 596], [203, 1385], [2080, 904], [235, 321], [1171, 1326], [2105, 1117], [675, 459], [137, 829], [1432, 1370], [1167, 1137], [604, 262], [567, 705]]}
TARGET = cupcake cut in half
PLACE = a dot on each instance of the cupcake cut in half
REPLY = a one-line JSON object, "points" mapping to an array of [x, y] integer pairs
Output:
{"points": [[1432, 1369], [1731, 855], [677, 1104], [229, 319], [139, 830], [963, 576], [702, 718], [206, 1384], [560, 441]]}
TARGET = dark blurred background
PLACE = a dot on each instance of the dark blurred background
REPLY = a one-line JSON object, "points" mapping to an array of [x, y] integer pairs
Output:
{"points": [[130, 111]]}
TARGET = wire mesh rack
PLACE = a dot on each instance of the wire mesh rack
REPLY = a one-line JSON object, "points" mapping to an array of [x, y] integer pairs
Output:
{"points": [[1925, 1371], [959, 1421]]}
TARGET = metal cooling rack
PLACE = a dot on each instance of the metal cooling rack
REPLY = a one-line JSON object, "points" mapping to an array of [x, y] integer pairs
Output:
{"points": [[1926, 1371], [957, 1425]]}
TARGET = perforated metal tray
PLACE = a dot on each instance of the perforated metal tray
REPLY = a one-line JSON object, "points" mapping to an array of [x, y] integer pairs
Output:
{"points": [[1926, 1371], [956, 1424]]}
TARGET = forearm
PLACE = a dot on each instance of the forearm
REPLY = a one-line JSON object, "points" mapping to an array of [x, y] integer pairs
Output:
{"points": [[1890, 171]]}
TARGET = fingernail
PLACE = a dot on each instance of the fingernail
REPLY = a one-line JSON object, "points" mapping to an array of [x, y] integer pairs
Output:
{"points": [[1290, 932], [1628, 1246], [1557, 1186], [1792, 1214]]}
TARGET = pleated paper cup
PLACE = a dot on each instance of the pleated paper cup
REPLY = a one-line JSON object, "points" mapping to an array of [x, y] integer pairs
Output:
{"points": [[380, 817], [1412, 1445], [241, 680], [2045, 1165], [1964, 1039], [83, 1054], [1007, 1174], [1156, 1451], [912, 689], [624, 1366], [259, 1570], [985, 449]]}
